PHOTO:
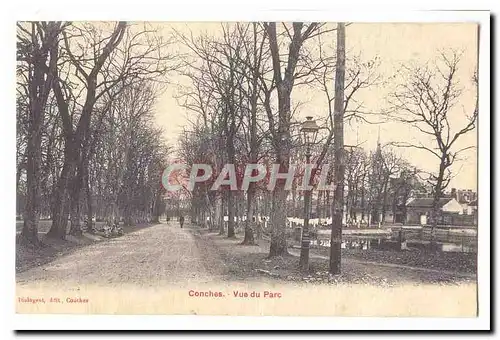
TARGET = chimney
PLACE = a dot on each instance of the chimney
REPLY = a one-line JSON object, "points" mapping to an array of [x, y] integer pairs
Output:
{"points": [[454, 193]]}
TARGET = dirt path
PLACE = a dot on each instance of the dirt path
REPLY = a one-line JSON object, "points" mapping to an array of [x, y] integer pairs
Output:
{"points": [[166, 254], [153, 256]]}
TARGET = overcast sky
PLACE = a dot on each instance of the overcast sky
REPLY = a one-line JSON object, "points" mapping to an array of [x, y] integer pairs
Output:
{"points": [[394, 44]]}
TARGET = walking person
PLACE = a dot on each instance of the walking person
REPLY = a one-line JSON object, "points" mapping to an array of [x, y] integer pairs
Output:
{"points": [[181, 221]]}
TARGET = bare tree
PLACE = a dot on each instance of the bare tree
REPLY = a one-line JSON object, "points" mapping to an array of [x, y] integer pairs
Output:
{"points": [[425, 100], [283, 83], [255, 62], [37, 46], [103, 64], [355, 171], [124, 176], [221, 69], [74, 138]]}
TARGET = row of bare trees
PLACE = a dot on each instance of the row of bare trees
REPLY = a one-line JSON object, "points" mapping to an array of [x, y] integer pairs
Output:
{"points": [[239, 87], [87, 141], [87, 144]]}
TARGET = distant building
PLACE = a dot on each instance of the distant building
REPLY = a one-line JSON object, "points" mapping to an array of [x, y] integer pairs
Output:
{"points": [[419, 210]]}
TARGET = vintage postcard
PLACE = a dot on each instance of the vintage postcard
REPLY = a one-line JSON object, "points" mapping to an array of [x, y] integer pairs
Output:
{"points": [[248, 168]]}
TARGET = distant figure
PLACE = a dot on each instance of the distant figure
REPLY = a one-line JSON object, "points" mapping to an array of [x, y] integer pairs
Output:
{"points": [[181, 221], [168, 219]]}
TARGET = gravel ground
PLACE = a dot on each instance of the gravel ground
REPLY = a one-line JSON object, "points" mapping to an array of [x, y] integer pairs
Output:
{"points": [[152, 256]]}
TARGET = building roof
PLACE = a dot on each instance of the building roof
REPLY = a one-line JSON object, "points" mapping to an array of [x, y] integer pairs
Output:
{"points": [[427, 202]]}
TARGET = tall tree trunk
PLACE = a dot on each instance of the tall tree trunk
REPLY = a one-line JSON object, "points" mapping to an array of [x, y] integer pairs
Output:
{"points": [[363, 198], [281, 135], [88, 192], [232, 199], [216, 220], [231, 213], [29, 233], [61, 194], [328, 210], [219, 215], [157, 207], [251, 213], [75, 139], [39, 86], [278, 222], [223, 206], [249, 223], [435, 202], [384, 199], [278, 212], [338, 145], [127, 215], [76, 228]]}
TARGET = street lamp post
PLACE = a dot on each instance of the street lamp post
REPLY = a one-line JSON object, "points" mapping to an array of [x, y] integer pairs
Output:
{"points": [[309, 129]]}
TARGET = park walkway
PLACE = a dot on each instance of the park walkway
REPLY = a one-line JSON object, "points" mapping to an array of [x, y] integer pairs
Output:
{"points": [[162, 253]]}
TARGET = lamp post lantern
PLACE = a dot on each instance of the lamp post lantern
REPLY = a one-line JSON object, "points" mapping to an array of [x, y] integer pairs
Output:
{"points": [[309, 130]]}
